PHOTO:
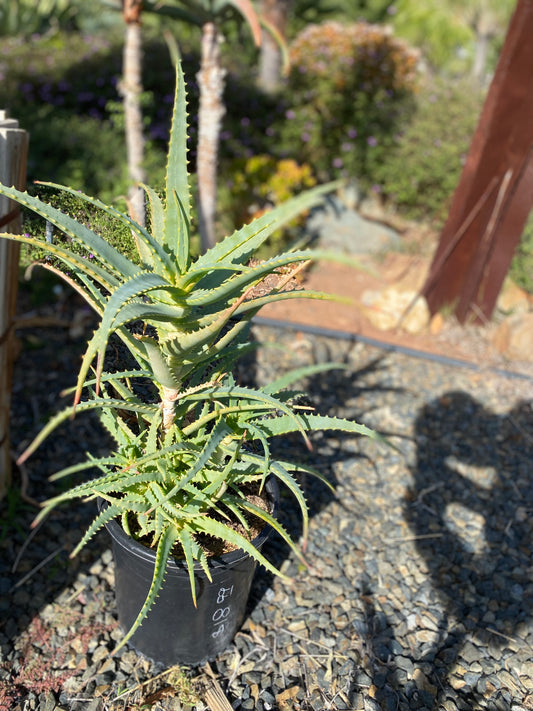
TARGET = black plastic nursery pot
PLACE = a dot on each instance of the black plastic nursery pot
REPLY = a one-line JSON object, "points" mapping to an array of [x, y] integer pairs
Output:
{"points": [[175, 631]]}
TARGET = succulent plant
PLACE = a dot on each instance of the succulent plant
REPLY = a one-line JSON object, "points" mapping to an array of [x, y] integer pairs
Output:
{"points": [[191, 440]]}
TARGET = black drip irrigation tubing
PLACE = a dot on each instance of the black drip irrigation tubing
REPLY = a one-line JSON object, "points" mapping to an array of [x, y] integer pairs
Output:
{"points": [[384, 345]]}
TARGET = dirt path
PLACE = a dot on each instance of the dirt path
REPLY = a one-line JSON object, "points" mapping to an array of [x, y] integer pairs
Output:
{"points": [[444, 336]]}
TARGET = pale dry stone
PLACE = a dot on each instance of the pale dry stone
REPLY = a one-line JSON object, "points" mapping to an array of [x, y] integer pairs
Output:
{"points": [[514, 337], [513, 299], [392, 308]]}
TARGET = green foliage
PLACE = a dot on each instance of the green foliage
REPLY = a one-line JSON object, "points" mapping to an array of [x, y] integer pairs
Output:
{"points": [[183, 427], [118, 236], [419, 174], [349, 86], [258, 184], [27, 17], [63, 89], [521, 270], [442, 35]]}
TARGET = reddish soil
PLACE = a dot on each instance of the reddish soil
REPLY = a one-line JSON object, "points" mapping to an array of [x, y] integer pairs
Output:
{"points": [[444, 336]]}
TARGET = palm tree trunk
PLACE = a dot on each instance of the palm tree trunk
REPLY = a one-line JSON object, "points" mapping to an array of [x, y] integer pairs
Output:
{"points": [[479, 68], [275, 12], [131, 90], [210, 112]]}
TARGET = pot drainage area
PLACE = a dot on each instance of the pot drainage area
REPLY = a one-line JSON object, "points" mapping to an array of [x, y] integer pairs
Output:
{"points": [[419, 593]]}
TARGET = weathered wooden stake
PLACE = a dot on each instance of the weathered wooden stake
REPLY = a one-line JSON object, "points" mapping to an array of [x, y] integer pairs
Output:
{"points": [[13, 160]]}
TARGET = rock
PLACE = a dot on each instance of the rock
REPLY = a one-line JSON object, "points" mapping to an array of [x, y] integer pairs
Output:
{"points": [[394, 308], [405, 271], [436, 324], [513, 299], [341, 228], [514, 337]]}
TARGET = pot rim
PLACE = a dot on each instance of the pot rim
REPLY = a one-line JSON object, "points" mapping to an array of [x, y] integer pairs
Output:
{"points": [[179, 565]]}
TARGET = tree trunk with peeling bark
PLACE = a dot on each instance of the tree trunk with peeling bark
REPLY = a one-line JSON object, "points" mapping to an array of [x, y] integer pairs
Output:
{"points": [[275, 12], [211, 79], [131, 90]]}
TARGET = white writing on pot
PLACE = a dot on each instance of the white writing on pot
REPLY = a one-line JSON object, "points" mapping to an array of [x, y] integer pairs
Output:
{"points": [[221, 614]]}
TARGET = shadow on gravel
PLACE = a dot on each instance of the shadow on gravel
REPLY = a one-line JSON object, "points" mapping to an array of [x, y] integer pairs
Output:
{"points": [[35, 571], [336, 393], [470, 510]]}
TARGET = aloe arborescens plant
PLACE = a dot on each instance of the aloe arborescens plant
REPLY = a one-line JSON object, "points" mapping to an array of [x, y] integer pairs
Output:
{"points": [[183, 459]]}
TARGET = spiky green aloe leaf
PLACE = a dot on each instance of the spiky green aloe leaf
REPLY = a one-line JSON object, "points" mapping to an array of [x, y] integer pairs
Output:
{"points": [[219, 530], [249, 276], [135, 287], [177, 210], [67, 413], [166, 542], [244, 242], [107, 514], [193, 552], [90, 463], [270, 520], [282, 425], [292, 376], [216, 437], [157, 220], [76, 262], [290, 482], [246, 401]]}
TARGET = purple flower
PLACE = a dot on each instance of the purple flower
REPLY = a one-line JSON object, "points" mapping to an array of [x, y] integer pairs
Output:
{"points": [[337, 162], [352, 133], [290, 114], [372, 141]]}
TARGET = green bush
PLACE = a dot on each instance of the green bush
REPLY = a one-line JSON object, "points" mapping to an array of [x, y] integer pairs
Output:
{"points": [[420, 172], [257, 184], [63, 90], [96, 220], [348, 88], [26, 17], [521, 271]]}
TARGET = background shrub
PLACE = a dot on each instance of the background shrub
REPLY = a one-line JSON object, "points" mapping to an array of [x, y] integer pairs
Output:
{"points": [[349, 86], [258, 183], [422, 168]]}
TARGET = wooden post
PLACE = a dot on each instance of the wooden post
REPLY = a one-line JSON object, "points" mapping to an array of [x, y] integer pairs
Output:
{"points": [[13, 159], [495, 193]]}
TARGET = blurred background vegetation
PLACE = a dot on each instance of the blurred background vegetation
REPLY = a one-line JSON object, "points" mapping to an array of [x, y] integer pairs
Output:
{"points": [[385, 93]]}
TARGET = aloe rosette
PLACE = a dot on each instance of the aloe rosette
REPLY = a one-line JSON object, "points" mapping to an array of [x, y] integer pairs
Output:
{"points": [[181, 460]]}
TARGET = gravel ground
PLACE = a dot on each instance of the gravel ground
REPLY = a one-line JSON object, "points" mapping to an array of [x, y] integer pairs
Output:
{"points": [[420, 592]]}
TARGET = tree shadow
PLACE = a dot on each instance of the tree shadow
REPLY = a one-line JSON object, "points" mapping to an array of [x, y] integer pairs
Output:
{"points": [[470, 511], [337, 392]]}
